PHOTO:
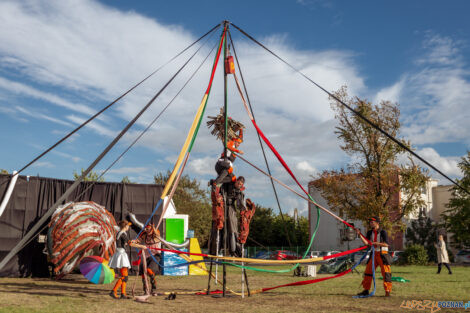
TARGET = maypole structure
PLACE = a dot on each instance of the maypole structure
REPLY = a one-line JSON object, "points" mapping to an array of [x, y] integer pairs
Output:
{"points": [[228, 257], [224, 266]]}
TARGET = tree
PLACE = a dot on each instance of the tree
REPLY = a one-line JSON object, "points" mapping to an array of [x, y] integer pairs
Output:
{"points": [[191, 199], [126, 180], [91, 176], [268, 229], [414, 255], [2, 171], [457, 218], [371, 184], [423, 232], [261, 226]]}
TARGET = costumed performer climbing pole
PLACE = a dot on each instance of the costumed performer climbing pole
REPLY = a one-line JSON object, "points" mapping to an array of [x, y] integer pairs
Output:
{"points": [[120, 260], [225, 180], [150, 238], [379, 239]]}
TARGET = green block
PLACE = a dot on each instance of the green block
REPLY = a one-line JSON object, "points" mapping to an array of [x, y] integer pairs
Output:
{"points": [[174, 230]]}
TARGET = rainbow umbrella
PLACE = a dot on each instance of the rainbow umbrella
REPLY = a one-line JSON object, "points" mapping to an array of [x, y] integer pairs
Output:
{"points": [[96, 270]]}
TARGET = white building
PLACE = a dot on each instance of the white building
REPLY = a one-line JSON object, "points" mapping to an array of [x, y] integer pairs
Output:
{"points": [[330, 230], [329, 233]]}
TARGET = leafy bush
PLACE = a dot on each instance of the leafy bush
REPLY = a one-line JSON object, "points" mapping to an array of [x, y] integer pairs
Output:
{"points": [[414, 255]]}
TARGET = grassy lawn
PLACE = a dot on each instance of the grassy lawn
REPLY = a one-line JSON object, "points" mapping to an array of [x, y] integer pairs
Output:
{"points": [[75, 294]]}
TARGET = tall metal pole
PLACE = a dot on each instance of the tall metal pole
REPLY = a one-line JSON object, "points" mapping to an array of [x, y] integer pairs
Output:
{"points": [[226, 23]]}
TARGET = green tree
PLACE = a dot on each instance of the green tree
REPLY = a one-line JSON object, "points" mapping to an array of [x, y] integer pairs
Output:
{"points": [[2, 171], [126, 180], [457, 218], [269, 229], [372, 182], [191, 199], [261, 227], [414, 255], [91, 176], [423, 232]]}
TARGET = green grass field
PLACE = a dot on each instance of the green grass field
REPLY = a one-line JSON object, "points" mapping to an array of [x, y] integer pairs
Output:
{"points": [[75, 294]]}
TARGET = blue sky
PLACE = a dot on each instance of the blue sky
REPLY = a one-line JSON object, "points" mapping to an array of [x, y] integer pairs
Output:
{"points": [[61, 61]]}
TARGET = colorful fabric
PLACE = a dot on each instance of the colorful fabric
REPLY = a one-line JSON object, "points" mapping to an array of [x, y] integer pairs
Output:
{"points": [[79, 229], [381, 259], [96, 270], [218, 217], [245, 219]]}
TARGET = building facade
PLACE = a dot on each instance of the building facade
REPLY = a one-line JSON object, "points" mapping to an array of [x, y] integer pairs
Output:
{"points": [[330, 231]]}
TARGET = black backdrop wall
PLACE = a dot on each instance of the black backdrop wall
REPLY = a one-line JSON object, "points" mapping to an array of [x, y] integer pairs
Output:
{"points": [[33, 196]]}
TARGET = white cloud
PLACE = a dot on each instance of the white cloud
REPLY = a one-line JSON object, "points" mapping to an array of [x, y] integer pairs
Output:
{"points": [[391, 93], [19, 88], [44, 164], [441, 50], [90, 53], [34, 114], [434, 96], [202, 166], [448, 165], [305, 166], [95, 125], [128, 170]]}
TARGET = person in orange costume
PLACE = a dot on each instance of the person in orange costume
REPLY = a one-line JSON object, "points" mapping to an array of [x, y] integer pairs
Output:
{"points": [[379, 239], [150, 237], [120, 260], [224, 167]]}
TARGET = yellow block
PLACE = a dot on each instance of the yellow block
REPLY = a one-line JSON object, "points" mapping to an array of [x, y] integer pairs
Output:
{"points": [[198, 268]]}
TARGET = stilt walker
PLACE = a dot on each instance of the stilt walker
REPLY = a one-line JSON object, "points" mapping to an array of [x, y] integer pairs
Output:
{"points": [[246, 215]]}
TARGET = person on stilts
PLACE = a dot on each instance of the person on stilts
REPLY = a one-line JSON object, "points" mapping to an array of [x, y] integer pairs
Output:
{"points": [[225, 180], [379, 239], [120, 261]]}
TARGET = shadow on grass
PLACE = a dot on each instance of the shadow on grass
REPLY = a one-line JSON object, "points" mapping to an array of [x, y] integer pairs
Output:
{"points": [[48, 290]]}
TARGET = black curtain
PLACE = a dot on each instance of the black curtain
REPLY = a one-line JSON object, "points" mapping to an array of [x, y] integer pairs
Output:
{"points": [[33, 196]]}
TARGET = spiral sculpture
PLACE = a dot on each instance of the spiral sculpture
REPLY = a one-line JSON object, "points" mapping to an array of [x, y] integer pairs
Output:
{"points": [[77, 230]]}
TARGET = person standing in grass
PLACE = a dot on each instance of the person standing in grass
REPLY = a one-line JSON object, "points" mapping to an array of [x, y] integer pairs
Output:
{"points": [[120, 261], [442, 257], [379, 239]]}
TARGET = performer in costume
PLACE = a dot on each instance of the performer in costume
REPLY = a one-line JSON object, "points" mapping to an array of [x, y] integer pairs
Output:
{"points": [[235, 204], [223, 185], [150, 238], [120, 260], [224, 168], [379, 239]]}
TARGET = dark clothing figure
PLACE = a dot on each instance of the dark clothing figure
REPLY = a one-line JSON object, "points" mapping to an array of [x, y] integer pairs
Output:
{"points": [[224, 169], [235, 202], [149, 237], [439, 266], [122, 240]]}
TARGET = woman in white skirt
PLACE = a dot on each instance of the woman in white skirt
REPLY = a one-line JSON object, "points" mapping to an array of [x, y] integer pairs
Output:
{"points": [[120, 260], [442, 257]]}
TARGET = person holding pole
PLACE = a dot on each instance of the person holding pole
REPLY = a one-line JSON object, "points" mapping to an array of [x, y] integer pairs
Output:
{"points": [[379, 239]]}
